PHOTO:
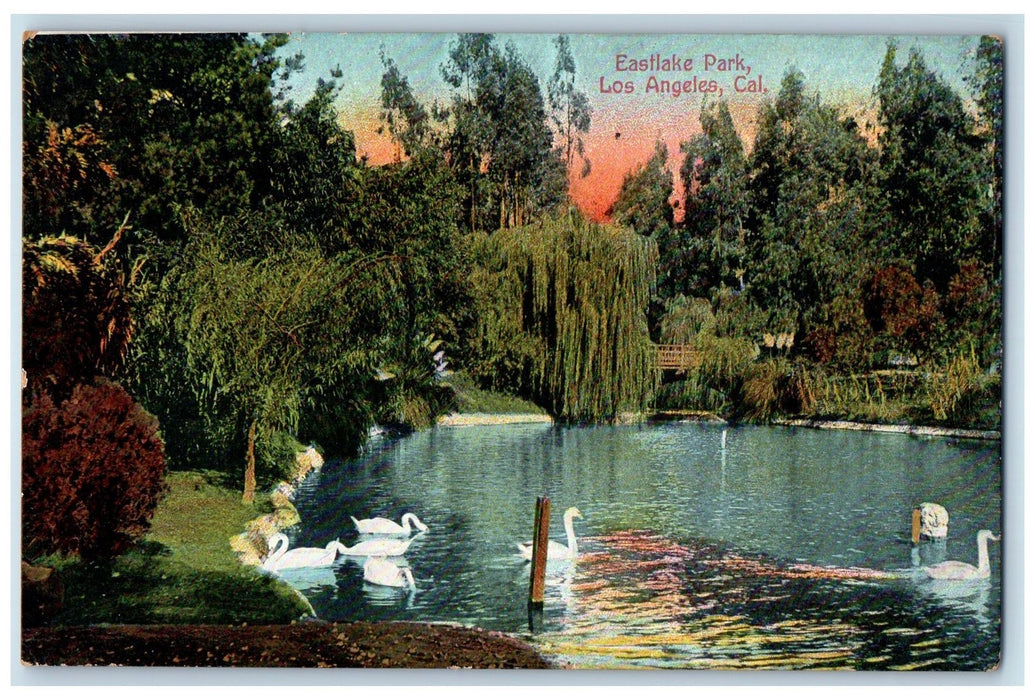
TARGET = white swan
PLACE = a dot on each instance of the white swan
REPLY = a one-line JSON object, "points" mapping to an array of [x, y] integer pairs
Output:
{"points": [[382, 572], [280, 557], [384, 526], [376, 548], [556, 550], [957, 570]]}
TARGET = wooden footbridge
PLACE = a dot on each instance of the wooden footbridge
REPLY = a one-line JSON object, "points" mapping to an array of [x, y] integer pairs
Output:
{"points": [[677, 357]]}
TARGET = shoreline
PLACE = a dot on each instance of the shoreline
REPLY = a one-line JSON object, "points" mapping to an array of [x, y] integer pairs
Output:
{"points": [[475, 419], [457, 420], [916, 430], [388, 643]]}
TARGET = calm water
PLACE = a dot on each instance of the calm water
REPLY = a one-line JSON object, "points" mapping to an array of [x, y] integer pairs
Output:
{"points": [[787, 549]]}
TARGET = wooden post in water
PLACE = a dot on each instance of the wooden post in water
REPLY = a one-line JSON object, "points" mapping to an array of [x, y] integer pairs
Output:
{"points": [[916, 526], [540, 545]]}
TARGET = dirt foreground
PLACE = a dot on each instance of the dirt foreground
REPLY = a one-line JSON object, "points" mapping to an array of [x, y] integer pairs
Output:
{"points": [[300, 645]]}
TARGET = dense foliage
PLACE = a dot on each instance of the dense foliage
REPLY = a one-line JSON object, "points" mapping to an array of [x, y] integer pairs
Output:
{"points": [[92, 458], [266, 286], [76, 315], [837, 244], [143, 124], [563, 316]]}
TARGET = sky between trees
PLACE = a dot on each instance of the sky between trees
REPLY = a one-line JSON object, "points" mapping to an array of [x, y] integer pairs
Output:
{"points": [[625, 124]]}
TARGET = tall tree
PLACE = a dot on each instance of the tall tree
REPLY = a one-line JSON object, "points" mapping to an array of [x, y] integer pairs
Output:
{"points": [[812, 186], [408, 121], [499, 144], [643, 199], [468, 142], [714, 175], [931, 164], [317, 176], [570, 109], [643, 205], [528, 174]]}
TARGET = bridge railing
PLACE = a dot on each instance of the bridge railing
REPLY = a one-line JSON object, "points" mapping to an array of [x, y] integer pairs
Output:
{"points": [[679, 357]]}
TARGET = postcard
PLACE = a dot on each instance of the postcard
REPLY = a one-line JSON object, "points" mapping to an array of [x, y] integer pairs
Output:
{"points": [[606, 351]]}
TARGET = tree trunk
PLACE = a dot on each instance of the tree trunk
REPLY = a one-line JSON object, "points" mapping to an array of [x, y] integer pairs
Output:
{"points": [[503, 203], [249, 470]]}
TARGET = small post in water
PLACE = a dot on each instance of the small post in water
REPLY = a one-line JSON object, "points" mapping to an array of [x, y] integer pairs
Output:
{"points": [[540, 545], [916, 526]]}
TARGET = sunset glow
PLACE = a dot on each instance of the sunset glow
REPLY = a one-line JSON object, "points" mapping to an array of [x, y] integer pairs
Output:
{"points": [[632, 108]]}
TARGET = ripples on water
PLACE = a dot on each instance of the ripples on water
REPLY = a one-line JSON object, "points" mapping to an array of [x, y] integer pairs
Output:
{"points": [[636, 599], [788, 550]]}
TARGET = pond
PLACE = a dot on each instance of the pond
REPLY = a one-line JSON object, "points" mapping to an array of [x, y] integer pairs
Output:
{"points": [[770, 547]]}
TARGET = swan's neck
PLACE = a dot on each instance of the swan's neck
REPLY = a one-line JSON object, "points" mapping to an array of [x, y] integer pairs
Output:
{"points": [[983, 565], [569, 528], [280, 545]]}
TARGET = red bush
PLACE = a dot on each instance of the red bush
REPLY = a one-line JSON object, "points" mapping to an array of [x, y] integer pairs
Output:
{"points": [[820, 344], [93, 470], [896, 304]]}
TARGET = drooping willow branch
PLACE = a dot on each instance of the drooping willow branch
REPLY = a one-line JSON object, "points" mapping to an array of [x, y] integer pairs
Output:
{"points": [[574, 297]]}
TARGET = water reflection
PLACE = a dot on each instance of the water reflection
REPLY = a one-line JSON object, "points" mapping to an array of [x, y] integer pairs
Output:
{"points": [[787, 549], [928, 552], [310, 579], [641, 599], [971, 597], [387, 596]]}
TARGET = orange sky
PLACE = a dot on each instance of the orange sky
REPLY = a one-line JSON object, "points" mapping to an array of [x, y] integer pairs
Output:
{"points": [[623, 143], [842, 69], [616, 144]]}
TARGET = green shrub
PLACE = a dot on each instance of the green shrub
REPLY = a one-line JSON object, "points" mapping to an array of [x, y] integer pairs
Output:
{"points": [[960, 390], [760, 391]]}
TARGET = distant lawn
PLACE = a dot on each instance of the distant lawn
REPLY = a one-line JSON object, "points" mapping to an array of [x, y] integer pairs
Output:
{"points": [[472, 399], [184, 571]]}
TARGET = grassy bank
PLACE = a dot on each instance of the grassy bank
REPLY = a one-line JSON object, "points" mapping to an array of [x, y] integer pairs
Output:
{"points": [[183, 572], [472, 399]]}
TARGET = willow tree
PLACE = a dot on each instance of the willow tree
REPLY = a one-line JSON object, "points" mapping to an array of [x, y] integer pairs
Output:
{"points": [[272, 342], [563, 316]]}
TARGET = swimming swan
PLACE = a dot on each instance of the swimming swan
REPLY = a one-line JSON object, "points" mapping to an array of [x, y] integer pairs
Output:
{"points": [[957, 570], [382, 572], [376, 548], [280, 557], [556, 550], [384, 526]]}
